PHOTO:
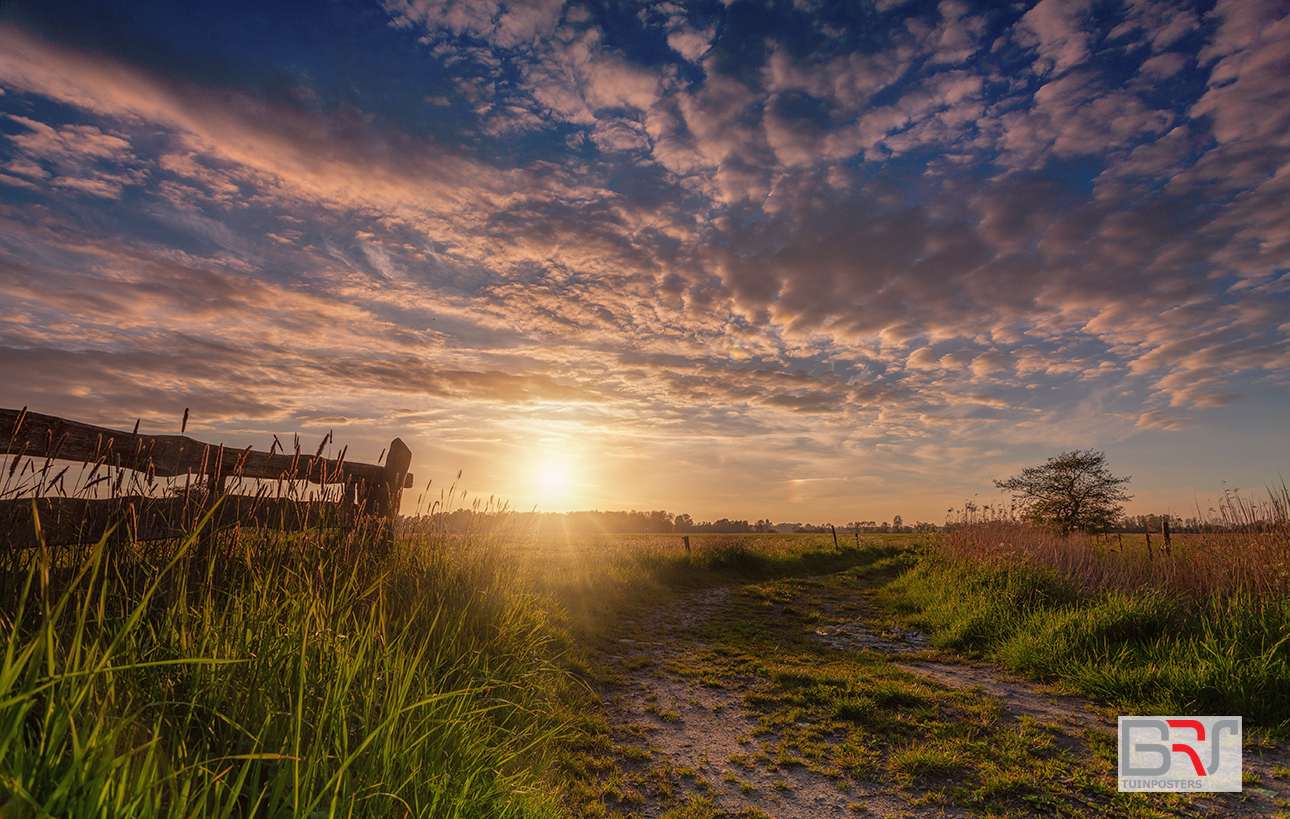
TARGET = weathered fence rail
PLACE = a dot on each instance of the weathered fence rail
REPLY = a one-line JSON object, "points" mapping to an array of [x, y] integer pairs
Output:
{"points": [[370, 491]]}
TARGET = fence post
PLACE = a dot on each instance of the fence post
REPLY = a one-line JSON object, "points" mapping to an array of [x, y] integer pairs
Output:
{"points": [[397, 462], [835, 536], [388, 492], [216, 485], [1164, 525]]}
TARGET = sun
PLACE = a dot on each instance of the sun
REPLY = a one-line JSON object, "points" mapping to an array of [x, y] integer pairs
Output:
{"points": [[554, 476]]}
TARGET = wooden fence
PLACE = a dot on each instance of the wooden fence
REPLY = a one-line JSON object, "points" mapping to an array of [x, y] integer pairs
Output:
{"points": [[370, 491]]}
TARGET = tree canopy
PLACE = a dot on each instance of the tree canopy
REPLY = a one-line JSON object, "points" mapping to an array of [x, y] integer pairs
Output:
{"points": [[1072, 491]]}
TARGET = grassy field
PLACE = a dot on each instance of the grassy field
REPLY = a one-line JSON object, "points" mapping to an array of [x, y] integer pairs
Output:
{"points": [[304, 675], [1204, 629], [456, 675], [276, 677]]}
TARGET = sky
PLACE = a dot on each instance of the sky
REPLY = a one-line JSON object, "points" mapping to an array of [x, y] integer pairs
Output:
{"points": [[802, 261]]}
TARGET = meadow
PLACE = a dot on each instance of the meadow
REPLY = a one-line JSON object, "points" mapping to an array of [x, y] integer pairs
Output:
{"points": [[1204, 628], [321, 673], [336, 673]]}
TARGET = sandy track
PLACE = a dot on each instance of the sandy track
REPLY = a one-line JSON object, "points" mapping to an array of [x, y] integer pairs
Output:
{"points": [[701, 743]]}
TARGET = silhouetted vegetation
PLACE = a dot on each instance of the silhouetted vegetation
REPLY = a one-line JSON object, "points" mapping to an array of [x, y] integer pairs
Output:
{"points": [[1072, 491]]}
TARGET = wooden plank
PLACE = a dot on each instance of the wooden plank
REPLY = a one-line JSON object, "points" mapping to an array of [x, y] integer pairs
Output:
{"points": [[31, 434], [65, 521]]}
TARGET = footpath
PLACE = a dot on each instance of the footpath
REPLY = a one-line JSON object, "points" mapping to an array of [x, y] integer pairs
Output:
{"points": [[801, 698]]}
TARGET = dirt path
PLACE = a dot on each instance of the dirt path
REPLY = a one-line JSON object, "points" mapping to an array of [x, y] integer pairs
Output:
{"points": [[727, 703]]}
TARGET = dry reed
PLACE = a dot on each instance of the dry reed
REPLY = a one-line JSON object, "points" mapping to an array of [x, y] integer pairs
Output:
{"points": [[1241, 551]]}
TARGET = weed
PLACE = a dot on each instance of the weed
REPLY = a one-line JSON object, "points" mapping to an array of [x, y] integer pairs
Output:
{"points": [[696, 807], [742, 760], [667, 716], [918, 762], [634, 753]]}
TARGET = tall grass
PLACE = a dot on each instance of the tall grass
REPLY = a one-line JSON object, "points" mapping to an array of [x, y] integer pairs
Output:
{"points": [[1204, 629], [288, 681], [327, 672], [1244, 552]]}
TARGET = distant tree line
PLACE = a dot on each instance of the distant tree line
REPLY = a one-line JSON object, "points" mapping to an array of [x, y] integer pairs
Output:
{"points": [[1184, 526], [658, 521], [897, 526]]}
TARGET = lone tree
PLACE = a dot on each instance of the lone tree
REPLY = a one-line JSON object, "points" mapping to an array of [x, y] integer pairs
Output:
{"points": [[1071, 491]]}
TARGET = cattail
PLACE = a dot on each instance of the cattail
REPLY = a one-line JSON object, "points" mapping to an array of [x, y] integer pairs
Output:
{"points": [[322, 445], [17, 424]]}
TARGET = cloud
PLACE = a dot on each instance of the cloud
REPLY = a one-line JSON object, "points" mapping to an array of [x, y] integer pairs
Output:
{"points": [[613, 83], [691, 44], [1076, 116], [1248, 83], [987, 363], [620, 137], [958, 36], [1163, 65], [1056, 30], [341, 160], [507, 24], [923, 358], [71, 142], [104, 387], [1165, 421], [83, 158]]}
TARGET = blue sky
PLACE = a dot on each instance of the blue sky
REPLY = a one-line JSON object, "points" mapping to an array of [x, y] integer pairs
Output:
{"points": [[805, 261]]}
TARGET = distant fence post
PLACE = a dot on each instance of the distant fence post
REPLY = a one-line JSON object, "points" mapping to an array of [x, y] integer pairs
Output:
{"points": [[835, 535], [1164, 525], [686, 538]]}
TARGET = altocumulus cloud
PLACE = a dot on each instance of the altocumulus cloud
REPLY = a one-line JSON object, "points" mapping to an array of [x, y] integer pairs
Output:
{"points": [[895, 221]]}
